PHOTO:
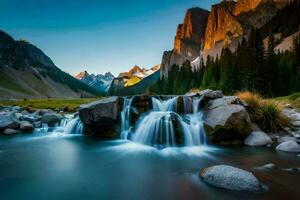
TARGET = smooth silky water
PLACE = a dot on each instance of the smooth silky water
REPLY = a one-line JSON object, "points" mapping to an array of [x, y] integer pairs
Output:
{"points": [[61, 163]]}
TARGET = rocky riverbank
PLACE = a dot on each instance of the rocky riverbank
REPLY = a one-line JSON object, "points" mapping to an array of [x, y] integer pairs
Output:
{"points": [[14, 119], [226, 119]]}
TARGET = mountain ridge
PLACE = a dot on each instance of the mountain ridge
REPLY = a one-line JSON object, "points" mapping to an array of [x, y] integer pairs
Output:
{"points": [[27, 72]]}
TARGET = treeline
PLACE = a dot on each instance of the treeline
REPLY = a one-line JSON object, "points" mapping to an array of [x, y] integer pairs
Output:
{"points": [[250, 67]]}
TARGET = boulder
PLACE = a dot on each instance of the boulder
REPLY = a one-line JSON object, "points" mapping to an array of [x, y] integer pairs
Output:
{"points": [[258, 138], [26, 127], [8, 120], [30, 118], [231, 178], [9, 131], [37, 124], [226, 121], [286, 138], [207, 95], [101, 118], [289, 146], [51, 119]]}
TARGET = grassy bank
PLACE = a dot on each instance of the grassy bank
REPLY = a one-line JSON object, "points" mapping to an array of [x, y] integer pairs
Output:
{"points": [[293, 100], [267, 113], [69, 105]]}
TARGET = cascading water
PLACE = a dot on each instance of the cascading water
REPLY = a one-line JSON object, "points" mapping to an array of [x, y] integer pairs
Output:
{"points": [[194, 126], [125, 118], [74, 126], [159, 127]]}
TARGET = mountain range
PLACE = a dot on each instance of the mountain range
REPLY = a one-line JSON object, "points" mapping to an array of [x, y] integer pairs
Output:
{"points": [[27, 72], [99, 82]]}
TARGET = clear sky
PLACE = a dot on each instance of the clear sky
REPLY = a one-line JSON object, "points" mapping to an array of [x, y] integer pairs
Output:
{"points": [[97, 35]]}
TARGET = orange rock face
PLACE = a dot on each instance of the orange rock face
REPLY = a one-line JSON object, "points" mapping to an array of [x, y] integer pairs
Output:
{"points": [[245, 6], [222, 24], [190, 34]]}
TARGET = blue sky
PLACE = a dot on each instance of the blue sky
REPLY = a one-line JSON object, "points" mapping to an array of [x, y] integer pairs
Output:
{"points": [[97, 35]]}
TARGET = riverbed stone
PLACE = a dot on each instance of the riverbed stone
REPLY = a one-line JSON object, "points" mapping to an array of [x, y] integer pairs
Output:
{"points": [[226, 121], [101, 118], [231, 178], [30, 118], [26, 127], [286, 138], [9, 131], [8, 120], [258, 138], [269, 166], [289, 146], [51, 119]]}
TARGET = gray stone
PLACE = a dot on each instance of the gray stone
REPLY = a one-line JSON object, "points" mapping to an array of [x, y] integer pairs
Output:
{"points": [[9, 131], [289, 146], [286, 138], [26, 127], [8, 120], [101, 115], [258, 138], [37, 124], [31, 118], [231, 178], [224, 118], [269, 166], [51, 119], [211, 94]]}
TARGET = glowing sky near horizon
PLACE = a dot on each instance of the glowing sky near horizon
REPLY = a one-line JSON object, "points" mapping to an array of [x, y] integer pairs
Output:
{"points": [[98, 35]]}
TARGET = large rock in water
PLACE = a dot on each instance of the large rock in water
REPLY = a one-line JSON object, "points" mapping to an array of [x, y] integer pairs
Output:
{"points": [[289, 146], [231, 178], [101, 118], [51, 119], [258, 138], [26, 127], [227, 120], [8, 120]]}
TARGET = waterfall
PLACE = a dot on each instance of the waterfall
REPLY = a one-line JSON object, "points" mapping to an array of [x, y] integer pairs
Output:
{"points": [[125, 118], [163, 127], [156, 128], [74, 126], [194, 126], [165, 105]]}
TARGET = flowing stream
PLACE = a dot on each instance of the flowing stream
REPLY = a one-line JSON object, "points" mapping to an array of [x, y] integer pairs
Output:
{"points": [[162, 126]]}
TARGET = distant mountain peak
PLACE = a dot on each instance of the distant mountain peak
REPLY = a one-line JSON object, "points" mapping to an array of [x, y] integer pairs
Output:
{"points": [[99, 81], [81, 75]]}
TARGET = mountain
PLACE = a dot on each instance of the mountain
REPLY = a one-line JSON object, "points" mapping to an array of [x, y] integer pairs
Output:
{"points": [[99, 81], [204, 33], [188, 40], [138, 88], [248, 45], [136, 79], [27, 72]]}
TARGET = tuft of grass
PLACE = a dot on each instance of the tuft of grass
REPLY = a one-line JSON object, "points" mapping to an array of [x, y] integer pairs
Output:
{"points": [[194, 90], [266, 113], [68, 105]]}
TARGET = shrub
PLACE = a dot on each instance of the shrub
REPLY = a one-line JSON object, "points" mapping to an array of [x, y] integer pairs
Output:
{"points": [[266, 113]]}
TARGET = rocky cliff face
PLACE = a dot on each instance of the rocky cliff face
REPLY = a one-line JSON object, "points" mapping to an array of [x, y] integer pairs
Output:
{"points": [[204, 33], [188, 40], [222, 24], [190, 34], [245, 6]]}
